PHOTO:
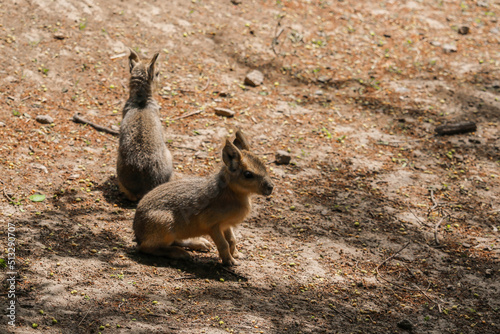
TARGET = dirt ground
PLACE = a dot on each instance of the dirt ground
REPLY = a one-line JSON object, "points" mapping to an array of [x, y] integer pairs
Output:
{"points": [[376, 225]]}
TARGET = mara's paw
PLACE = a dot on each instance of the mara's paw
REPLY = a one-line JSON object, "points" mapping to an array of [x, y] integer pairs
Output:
{"points": [[238, 255], [177, 253], [202, 245], [230, 262], [197, 244]]}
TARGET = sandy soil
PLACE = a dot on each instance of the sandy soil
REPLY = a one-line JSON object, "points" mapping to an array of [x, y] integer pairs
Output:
{"points": [[377, 225]]}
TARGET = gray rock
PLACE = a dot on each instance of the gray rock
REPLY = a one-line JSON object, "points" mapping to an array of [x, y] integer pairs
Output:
{"points": [[44, 119], [435, 43], [254, 78], [482, 4], [449, 48], [224, 112], [463, 30], [283, 157]]}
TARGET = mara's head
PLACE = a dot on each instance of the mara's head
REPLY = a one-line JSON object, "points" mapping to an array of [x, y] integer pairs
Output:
{"points": [[143, 72], [247, 172]]}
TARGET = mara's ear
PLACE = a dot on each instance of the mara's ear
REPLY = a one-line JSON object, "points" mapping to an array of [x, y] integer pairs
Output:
{"points": [[241, 141], [151, 67], [231, 156], [133, 59]]}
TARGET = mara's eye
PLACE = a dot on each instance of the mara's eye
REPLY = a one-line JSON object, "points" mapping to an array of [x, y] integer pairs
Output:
{"points": [[248, 175]]}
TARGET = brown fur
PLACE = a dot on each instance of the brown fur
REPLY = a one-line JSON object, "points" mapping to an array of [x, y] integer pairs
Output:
{"points": [[144, 160], [192, 207]]}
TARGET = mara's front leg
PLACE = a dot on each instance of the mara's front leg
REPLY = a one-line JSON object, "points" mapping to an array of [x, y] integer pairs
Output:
{"points": [[231, 240], [222, 246]]}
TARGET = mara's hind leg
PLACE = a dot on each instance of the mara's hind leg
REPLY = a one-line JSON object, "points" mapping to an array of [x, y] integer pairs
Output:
{"points": [[172, 252], [163, 247], [127, 193], [231, 240], [197, 244]]}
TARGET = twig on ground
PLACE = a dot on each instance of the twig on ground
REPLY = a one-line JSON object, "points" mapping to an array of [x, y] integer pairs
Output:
{"points": [[434, 203], [418, 219], [78, 119], [391, 143], [185, 277], [277, 34], [455, 128], [429, 298], [185, 148], [436, 229], [409, 209], [342, 314], [90, 308], [6, 195], [388, 259], [206, 85], [187, 115], [392, 256], [379, 276], [118, 56]]}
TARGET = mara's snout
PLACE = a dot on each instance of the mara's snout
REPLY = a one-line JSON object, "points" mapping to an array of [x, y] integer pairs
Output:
{"points": [[267, 187]]}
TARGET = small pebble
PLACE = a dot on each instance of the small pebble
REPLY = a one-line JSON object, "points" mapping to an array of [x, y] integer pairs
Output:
{"points": [[449, 48], [463, 30], [44, 119], [59, 35], [283, 157], [324, 79], [224, 112], [254, 78]]}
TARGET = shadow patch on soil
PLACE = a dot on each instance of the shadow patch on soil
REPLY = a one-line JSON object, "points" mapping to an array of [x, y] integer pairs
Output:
{"points": [[53, 233], [198, 267], [113, 195]]}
